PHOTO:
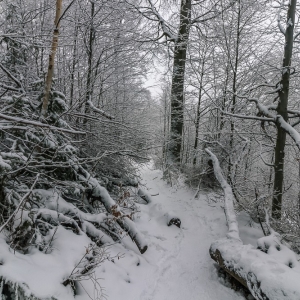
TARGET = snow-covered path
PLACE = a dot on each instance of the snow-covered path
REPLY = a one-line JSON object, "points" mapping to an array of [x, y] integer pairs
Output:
{"points": [[184, 269], [177, 264]]}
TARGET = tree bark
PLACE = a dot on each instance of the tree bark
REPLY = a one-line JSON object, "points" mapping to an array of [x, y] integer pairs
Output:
{"points": [[234, 84], [88, 93], [177, 90], [52, 59], [198, 113], [74, 61], [283, 94]]}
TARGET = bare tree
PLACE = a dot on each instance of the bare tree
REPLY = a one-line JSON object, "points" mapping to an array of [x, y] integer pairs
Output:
{"points": [[52, 58]]}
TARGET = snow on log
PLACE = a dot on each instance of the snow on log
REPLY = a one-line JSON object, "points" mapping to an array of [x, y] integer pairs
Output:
{"points": [[57, 209], [271, 272], [134, 233], [101, 194], [144, 195], [262, 274], [233, 230]]}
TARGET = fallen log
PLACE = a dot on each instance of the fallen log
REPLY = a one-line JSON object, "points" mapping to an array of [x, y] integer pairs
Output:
{"points": [[260, 271], [100, 193]]}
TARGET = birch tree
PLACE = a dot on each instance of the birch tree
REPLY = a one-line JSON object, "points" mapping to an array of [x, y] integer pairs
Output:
{"points": [[52, 58]]}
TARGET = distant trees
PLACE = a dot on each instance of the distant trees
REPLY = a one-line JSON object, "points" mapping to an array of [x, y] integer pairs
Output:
{"points": [[235, 98], [176, 36], [72, 168]]}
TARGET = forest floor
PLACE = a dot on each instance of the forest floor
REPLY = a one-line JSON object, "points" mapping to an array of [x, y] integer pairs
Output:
{"points": [[177, 264]]}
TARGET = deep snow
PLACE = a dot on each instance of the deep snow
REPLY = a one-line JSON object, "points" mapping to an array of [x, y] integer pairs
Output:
{"points": [[177, 264]]}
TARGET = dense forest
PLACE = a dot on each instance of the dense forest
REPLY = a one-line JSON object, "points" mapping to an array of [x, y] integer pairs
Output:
{"points": [[92, 90]]}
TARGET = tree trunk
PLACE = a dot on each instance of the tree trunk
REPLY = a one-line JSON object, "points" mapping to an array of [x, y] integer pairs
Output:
{"points": [[52, 58], [234, 83], [88, 93], [165, 129], [73, 62], [198, 113], [177, 89], [282, 110]]}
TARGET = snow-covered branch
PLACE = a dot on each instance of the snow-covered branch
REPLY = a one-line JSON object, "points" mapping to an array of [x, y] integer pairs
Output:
{"points": [[263, 274], [278, 119], [100, 111], [22, 202], [292, 132], [247, 117], [38, 124], [162, 23], [12, 77], [282, 30]]}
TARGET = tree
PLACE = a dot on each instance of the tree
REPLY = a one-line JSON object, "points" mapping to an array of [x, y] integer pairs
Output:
{"points": [[282, 108], [52, 58], [177, 89], [179, 45]]}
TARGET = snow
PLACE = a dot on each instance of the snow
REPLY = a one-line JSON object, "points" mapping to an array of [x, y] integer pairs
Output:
{"points": [[294, 134], [276, 280], [233, 229], [43, 273], [177, 264], [38, 124], [250, 232], [4, 165]]}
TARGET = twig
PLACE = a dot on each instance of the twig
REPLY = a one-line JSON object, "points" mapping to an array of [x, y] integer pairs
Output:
{"points": [[23, 200]]}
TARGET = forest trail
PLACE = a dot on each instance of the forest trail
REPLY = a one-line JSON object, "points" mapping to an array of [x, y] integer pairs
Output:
{"points": [[183, 268], [177, 264]]}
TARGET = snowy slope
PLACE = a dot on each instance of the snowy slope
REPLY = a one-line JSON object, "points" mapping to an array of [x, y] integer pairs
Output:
{"points": [[177, 264]]}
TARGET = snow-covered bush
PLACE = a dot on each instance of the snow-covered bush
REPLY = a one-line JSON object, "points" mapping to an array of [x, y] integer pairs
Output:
{"points": [[49, 194]]}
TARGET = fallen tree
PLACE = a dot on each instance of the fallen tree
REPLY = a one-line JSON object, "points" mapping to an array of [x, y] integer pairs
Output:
{"points": [[270, 272], [54, 208]]}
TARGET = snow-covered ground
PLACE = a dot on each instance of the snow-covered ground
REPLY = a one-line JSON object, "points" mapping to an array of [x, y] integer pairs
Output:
{"points": [[177, 264]]}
